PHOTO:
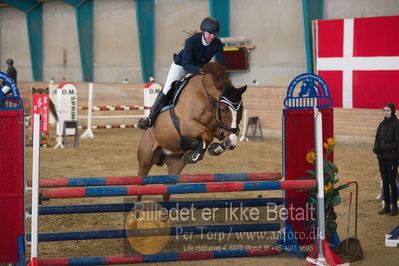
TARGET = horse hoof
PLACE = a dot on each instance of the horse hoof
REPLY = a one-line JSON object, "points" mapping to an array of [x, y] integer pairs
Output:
{"points": [[215, 149], [191, 157]]}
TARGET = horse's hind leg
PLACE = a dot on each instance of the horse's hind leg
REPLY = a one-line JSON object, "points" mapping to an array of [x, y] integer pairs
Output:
{"points": [[146, 156], [175, 166]]}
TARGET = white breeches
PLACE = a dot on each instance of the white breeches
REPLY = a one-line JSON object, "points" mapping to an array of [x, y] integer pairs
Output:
{"points": [[176, 72]]}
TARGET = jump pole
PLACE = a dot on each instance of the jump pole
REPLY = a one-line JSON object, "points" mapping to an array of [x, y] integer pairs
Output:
{"points": [[35, 189], [167, 231], [160, 257], [321, 227], [109, 126], [127, 207], [115, 107], [156, 179], [176, 189]]}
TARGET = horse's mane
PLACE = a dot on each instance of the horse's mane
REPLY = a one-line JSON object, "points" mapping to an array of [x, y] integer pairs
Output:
{"points": [[218, 73]]}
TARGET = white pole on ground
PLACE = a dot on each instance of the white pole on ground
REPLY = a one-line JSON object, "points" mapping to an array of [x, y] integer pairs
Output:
{"points": [[35, 187], [321, 234], [89, 133]]}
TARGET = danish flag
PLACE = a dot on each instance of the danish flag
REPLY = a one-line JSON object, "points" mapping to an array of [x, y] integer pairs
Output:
{"points": [[359, 60]]}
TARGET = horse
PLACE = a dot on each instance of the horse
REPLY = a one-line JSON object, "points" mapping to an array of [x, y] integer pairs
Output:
{"points": [[208, 107], [308, 88]]}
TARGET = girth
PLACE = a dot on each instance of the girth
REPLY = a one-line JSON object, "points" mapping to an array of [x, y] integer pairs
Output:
{"points": [[186, 143]]}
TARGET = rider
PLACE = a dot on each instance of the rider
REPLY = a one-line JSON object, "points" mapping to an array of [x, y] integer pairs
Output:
{"points": [[198, 50]]}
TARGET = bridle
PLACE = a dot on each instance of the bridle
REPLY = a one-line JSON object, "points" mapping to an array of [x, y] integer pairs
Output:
{"points": [[233, 106]]}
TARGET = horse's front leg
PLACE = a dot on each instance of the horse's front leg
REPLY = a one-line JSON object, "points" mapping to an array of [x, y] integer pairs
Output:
{"points": [[228, 143], [196, 155], [216, 148]]}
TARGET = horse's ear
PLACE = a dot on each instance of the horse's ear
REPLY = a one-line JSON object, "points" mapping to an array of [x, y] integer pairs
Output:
{"points": [[242, 89]]}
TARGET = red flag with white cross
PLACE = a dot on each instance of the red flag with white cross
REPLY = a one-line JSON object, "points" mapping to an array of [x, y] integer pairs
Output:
{"points": [[359, 60]]}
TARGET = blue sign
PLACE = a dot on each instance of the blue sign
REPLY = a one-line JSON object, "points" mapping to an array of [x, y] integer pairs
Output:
{"points": [[307, 91], [10, 82], [10, 102]]}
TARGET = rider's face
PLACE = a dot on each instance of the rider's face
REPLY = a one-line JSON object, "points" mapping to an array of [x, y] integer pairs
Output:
{"points": [[209, 37]]}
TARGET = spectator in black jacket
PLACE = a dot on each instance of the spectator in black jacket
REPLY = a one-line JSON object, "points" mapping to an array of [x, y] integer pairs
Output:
{"points": [[11, 71], [386, 146]]}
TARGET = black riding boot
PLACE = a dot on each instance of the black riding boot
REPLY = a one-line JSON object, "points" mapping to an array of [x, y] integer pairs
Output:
{"points": [[159, 103], [394, 210], [385, 210]]}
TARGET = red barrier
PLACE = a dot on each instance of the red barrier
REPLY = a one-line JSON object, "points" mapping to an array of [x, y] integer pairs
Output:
{"points": [[299, 139], [11, 183]]}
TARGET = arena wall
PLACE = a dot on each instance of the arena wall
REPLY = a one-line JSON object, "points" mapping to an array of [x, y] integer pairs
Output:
{"points": [[275, 27], [264, 102]]}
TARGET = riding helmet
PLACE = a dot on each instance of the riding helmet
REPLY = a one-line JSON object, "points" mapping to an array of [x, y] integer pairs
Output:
{"points": [[210, 25], [9, 61]]}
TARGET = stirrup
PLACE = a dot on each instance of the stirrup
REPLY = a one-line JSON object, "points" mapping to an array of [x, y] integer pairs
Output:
{"points": [[144, 123]]}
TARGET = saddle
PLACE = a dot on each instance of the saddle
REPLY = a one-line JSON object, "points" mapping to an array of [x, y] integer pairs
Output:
{"points": [[175, 91]]}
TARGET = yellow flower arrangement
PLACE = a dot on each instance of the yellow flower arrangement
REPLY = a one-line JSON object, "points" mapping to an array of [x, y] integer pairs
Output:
{"points": [[331, 189], [327, 187], [311, 157]]}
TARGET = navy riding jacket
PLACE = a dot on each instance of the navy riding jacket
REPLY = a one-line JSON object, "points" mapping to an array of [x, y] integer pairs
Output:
{"points": [[195, 54]]}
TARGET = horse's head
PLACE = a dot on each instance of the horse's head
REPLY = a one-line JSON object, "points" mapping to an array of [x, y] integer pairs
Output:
{"points": [[304, 90], [229, 114]]}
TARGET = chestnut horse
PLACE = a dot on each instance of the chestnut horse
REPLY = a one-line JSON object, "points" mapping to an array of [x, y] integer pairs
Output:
{"points": [[209, 107]]}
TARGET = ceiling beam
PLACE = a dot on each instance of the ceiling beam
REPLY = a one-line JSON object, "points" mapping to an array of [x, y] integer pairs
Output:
{"points": [[23, 5], [84, 21]]}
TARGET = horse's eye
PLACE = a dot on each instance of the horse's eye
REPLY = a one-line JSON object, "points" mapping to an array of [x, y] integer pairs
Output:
{"points": [[224, 110]]}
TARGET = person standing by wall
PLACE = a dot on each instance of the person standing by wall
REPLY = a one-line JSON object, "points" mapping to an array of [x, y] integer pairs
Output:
{"points": [[386, 146], [11, 71]]}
